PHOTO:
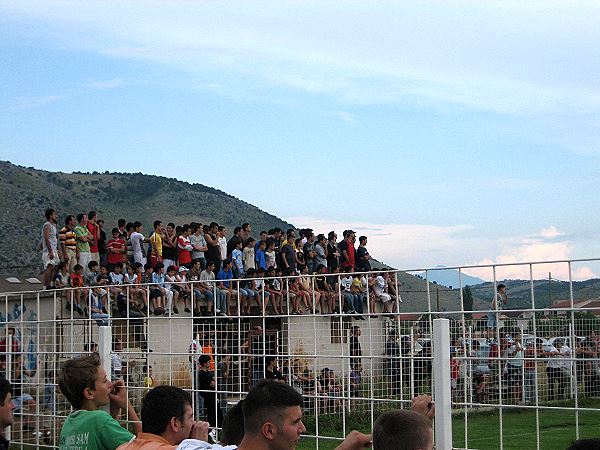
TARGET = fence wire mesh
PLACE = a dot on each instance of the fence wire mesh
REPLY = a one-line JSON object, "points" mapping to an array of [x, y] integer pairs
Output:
{"points": [[524, 359]]}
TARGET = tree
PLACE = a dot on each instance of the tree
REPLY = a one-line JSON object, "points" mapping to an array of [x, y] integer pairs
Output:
{"points": [[468, 302]]}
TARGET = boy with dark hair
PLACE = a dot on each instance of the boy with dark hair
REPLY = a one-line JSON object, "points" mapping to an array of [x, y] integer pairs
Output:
{"points": [[401, 429], [6, 411], [272, 417], [85, 384], [167, 420]]}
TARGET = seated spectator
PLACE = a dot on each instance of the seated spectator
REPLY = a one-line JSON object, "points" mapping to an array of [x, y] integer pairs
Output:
{"points": [[183, 287], [273, 288], [306, 285], [78, 291], [207, 289], [86, 386], [171, 290], [226, 287]]}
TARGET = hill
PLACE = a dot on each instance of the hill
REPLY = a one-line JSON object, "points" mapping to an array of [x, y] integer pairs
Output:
{"points": [[26, 192], [449, 277], [545, 293]]}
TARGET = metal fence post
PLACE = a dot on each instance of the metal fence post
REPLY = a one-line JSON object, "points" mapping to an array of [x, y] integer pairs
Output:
{"points": [[442, 389], [104, 350]]}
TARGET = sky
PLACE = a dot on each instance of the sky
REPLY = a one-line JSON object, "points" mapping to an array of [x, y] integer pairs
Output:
{"points": [[450, 133]]}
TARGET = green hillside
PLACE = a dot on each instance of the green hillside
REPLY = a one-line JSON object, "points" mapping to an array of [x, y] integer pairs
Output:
{"points": [[26, 192]]}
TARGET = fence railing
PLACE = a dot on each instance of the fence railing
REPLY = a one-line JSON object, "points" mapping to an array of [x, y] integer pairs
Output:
{"points": [[511, 370]]}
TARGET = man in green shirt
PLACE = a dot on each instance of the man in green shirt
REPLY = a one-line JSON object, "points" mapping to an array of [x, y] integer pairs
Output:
{"points": [[85, 384], [84, 239]]}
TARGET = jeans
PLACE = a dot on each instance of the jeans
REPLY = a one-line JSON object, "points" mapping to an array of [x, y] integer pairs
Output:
{"points": [[353, 302], [221, 302], [529, 391]]}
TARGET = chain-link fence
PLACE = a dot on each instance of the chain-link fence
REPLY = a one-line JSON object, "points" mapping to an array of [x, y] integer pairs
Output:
{"points": [[523, 348]]}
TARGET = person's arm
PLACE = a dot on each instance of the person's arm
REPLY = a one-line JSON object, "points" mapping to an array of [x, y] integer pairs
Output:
{"points": [[284, 259], [47, 241]]}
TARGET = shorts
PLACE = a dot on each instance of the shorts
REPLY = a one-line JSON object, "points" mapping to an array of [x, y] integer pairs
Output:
{"points": [[513, 374], [492, 319], [20, 400], [247, 292], [46, 261], [384, 297]]}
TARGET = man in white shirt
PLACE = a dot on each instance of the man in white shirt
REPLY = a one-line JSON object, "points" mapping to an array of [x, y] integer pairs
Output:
{"points": [[137, 243]]}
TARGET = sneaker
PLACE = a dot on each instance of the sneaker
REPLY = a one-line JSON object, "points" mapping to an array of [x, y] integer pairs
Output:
{"points": [[79, 310], [217, 311], [187, 310], [175, 310]]}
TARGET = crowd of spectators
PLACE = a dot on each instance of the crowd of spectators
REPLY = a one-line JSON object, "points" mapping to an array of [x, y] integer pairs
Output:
{"points": [[195, 266]]}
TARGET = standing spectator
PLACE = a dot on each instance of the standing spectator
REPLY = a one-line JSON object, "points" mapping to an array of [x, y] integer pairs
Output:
{"points": [[394, 362], [363, 258], [235, 239], [169, 242], [156, 243], [271, 254], [236, 258], [184, 247], [321, 251], [207, 387], [222, 241], [514, 367], [355, 348], [288, 254], [333, 254], [260, 257], [68, 242], [310, 253], [500, 298], [248, 255], [84, 239], [94, 230], [271, 371], [101, 242], [213, 253], [116, 248], [347, 252], [137, 243], [529, 372], [50, 254], [198, 244], [246, 230]]}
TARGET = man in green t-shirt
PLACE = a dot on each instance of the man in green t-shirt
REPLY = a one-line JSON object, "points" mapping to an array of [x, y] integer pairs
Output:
{"points": [[84, 240], [85, 384]]}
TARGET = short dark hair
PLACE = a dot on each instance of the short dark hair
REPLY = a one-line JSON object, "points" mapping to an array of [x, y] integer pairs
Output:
{"points": [[69, 218], [236, 230], [500, 286], [585, 444], [80, 217], [76, 375], [5, 389], [160, 405], [92, 264], [91, 214], [121, 222], [362, 239], [137, 224], [265, 402], [245, 226], [48, 213], [233, 425], [203, 359], [156, 223], [401, 429]]}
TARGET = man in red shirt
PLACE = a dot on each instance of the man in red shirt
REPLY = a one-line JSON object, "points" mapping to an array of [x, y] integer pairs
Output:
{"points": [[94, 230], [116, 248], [185, 247], [347, 250]]}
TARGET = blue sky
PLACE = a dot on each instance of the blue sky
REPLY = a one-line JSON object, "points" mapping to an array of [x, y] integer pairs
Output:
{"points": [[449, 132]]}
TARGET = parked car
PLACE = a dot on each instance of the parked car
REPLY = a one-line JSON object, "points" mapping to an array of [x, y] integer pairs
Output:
{"points": [[554, 341], [529, 339]]}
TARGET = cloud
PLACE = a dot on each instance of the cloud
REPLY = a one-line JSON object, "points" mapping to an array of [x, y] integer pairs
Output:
{"points": [[106, 84], [416, 247], [36, 101], [516, 254], [345, 116], [429, 53]]}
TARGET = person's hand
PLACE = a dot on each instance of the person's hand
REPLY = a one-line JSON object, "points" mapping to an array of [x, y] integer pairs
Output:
{"points": [[355, 441], [118, 395], [200, 431], [423, 404]]}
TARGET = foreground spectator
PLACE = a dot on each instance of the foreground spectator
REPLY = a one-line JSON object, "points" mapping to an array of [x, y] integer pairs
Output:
{"points": [[167, 420], [6, 411], [85, 384], [403, 430]]}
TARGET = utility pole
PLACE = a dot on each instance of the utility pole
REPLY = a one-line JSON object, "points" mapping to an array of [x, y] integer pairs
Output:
{"points": [[549, 289], [437, 299]]}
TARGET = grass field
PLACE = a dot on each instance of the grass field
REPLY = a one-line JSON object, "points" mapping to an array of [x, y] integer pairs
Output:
{"points": [[557, 429]]}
